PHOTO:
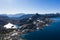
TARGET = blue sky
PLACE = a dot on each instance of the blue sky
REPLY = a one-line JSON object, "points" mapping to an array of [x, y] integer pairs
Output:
{"points": [[29, 6]]}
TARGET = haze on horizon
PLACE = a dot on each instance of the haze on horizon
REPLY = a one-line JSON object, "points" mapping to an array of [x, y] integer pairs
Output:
{"points": [[29, 6]]}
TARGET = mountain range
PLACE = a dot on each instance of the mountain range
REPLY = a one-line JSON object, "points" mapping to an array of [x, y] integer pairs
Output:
{"points": [[24, 19]]}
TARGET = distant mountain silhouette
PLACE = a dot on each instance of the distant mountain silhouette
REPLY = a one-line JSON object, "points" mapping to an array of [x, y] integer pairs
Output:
{"points": [[16, 15], [25, 16]]}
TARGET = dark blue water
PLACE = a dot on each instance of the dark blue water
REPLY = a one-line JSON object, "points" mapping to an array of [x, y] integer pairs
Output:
{"points": [[51, 32]]}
